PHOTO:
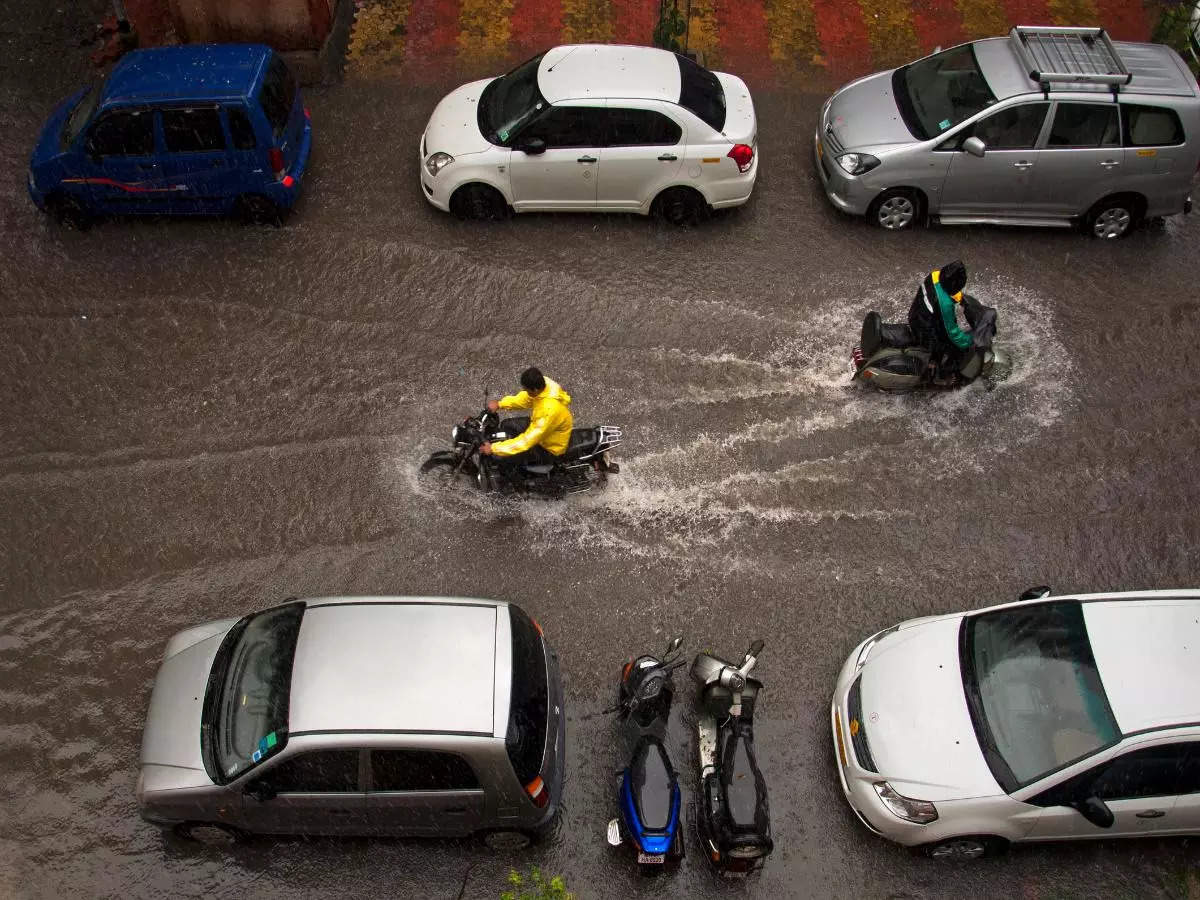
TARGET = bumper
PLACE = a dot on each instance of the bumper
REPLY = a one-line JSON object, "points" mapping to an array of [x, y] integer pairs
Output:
{"points": [[285, 196], [733, 191], [844, 191], [558, 762]]}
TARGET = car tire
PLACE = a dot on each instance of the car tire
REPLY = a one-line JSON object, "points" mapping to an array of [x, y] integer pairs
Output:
{"points": [[679, 206], [68, 211], [255, 209], [480, 202], [508, 840], [211, 834], [897, 209], [966, 848], [1113, 217]]}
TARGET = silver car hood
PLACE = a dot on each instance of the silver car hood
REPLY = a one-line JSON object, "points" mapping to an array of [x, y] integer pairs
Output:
{"points": [[864, 115], [172, 735]]}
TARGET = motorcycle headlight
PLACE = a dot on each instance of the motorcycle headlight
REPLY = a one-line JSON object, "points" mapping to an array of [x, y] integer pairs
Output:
{"points": [[454, 435], [435, 162], [920, 811], [857, 163]]}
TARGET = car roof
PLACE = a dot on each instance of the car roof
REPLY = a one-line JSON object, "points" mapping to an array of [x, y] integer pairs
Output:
{"points": [[396, 664], [1147, 650], [186, 72], [601, 71]]}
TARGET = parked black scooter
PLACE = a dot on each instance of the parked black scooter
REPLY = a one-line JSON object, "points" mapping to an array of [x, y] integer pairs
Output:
{"points": [[734, 819]]}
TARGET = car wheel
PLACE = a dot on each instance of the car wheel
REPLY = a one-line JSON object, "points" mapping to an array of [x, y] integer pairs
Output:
{"points": [[211, 834], [479, 202], [507, 840], [1112, 218], [895, 210], [255, 209], [68, 211], [965, 849], [680, 206]]}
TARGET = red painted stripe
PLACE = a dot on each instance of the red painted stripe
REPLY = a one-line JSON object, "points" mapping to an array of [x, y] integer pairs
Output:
{"points": [[633, 21], [1028, 12], [432, 29], [938, 23], [129, 187], [536, 25], [743, 40], [843, 35], [1125, 21]]}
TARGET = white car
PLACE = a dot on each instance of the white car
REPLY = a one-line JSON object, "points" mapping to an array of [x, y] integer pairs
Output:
{"points": [[1047, 719], [590, 127]]}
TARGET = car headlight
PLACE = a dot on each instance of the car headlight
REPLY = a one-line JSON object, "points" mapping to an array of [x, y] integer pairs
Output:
{"points": [[920, 811], [870, 645], [435, 162], [857, 163]]}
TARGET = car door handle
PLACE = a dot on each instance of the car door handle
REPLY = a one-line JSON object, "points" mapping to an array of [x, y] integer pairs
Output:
{"points": [[1022, 165], [146, 167], [668, 157], [1151, 814], [586, 159], [1110, 164]]}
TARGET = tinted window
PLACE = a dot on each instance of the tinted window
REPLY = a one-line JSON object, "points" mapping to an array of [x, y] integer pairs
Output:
{"points": [[240, 129], [526, 737], [1084, 125], [123, 134], [316, 772], [278, 94], [507, 103], [1015, 128], [192, 130], [567, 126], [1153, 772], [420, 770], [1151, 126], [700, 91], [641, 128]]}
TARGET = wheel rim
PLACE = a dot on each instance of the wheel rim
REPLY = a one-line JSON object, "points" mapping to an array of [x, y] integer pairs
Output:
{"points": [[1112, 223], [964, 849], [507, 840], [677, 209], [212, 835], [896, 212]]}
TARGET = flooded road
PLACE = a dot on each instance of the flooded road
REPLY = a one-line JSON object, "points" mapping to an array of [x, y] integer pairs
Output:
{"points": [[198, 419]]}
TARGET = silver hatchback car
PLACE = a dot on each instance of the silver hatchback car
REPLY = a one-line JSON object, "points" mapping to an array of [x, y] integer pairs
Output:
{"points": [[1048, 126], [357, 716]]}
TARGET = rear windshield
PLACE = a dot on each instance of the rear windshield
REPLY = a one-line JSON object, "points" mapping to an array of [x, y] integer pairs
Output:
{"points": [[940, 91], [277, 95], [700, 91], [526, 736]]}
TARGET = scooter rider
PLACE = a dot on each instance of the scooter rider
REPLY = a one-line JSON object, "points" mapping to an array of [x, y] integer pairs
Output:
{"points": [[550, 423], [932, 317]]}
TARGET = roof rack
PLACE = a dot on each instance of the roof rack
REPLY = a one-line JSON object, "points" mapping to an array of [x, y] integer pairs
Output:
{"points": [[1071, 55]]}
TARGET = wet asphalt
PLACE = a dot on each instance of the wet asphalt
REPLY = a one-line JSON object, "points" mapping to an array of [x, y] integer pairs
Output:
{"points": [[199, 418]]}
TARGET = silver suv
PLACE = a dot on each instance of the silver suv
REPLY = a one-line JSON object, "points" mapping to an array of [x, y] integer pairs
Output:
{"points": [[1048, 126], [357, 715]]}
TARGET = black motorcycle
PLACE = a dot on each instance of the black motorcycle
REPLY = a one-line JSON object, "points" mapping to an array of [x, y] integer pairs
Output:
{"points": [[734, 819], [584, 464]]}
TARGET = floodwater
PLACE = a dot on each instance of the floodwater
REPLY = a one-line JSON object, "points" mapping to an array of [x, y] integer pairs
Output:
{"points": [[198, 419]]}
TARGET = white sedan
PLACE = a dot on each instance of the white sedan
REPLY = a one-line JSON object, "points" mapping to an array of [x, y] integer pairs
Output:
{"points": [[593, 127], [1047, 719]]}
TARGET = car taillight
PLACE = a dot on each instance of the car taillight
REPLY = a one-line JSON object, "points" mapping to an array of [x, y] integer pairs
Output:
{"points": [[307, 114], [743, 155], [537, 792], [275, 157]]}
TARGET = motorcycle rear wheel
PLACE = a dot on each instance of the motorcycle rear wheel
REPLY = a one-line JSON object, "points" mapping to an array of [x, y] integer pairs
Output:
{"points": [[438, 472]]}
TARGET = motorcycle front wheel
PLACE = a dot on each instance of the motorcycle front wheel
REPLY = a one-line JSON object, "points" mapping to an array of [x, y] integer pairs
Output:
{"points": [[439, 472]]}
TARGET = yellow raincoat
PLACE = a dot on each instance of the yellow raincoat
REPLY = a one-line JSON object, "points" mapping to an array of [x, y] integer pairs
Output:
{"points": [[550, 421]]}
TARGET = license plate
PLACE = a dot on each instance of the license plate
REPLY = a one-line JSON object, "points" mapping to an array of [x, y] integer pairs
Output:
{"points": [[651, 857]]}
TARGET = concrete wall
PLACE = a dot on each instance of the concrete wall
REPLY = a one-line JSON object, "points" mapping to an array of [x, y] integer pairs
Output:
{"points": [[284, 24]]}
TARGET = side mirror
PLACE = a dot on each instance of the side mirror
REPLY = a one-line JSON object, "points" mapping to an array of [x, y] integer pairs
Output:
{"points": [[1036, 593], [532, 147], [261, 791], [756, 648], [974, 146], [1095, 811]]}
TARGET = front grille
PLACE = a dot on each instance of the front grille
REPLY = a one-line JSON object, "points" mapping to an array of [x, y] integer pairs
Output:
{"points": [[858, 736]]}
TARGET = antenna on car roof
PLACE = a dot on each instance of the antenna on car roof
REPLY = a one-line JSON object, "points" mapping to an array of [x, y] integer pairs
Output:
{"points": [[568, 56]]}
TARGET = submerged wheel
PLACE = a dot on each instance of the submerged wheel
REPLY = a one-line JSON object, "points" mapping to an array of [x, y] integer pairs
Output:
{"points": [[439, 473], [68, 211], [965, 849], [895, 210], [255, 209], [211, 834], [507, 841], [1113, 218], [679, 206], [479, 202]]}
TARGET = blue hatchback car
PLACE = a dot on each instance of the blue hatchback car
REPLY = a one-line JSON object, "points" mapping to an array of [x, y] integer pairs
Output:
{"points": [[213, 129]]}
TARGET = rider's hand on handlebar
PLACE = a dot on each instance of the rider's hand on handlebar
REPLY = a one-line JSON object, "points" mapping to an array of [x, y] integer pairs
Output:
{"points": [[485, 449], [493, 406]]}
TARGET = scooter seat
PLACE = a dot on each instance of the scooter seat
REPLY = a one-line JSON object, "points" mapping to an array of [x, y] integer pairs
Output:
{"points": [[742, 780], [896, 334], [651, 782]]}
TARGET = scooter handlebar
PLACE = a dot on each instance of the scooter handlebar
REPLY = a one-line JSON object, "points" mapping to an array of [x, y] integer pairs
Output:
{"points": [[756, 648]]}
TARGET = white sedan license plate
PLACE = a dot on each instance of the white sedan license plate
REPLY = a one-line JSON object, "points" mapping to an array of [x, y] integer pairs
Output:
{"points": [[651, 857]]}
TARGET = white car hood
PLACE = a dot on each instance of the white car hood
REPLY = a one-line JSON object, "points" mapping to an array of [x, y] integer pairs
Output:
{"points": [[454, 126], [915, 714]]}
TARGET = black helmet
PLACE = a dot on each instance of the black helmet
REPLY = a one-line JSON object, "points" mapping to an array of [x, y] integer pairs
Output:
{"points": [[953, 277], [533, 380]]}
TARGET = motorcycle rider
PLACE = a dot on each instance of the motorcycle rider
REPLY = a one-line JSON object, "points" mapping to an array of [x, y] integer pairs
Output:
{"points": [[550, 423], [932, 318]]}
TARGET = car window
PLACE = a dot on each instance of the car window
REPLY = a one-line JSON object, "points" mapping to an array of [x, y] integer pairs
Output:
{"points": [[567, 126], [277, 95], [315, 772], [1014, 128], [700, 91], [1085, 125], [240, 128], [525, 739], [641, 128], [123, 133], [936, 93], [420, 770], [1151, 126], [192, 130], [1151, 772]]}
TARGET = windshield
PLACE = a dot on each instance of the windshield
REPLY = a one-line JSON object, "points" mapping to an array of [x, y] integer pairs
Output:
{"points": [[510, 101], [1035, 696], [246, 705], [80, 114], [940, 91]]}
